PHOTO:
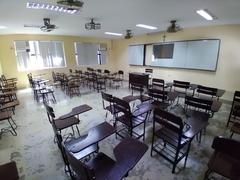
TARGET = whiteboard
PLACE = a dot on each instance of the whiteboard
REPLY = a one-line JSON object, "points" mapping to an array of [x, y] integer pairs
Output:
{"points": [[136, 54], [195, 54]]}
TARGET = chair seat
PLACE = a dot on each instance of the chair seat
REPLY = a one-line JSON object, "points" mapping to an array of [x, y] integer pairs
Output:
{"points": [[64, 123], [170, 137], [130, 98], [9, 171], [183, 94], [159, 104], [127, 121], [144, 98], [85, 152], [102, 164], [225, 165], [198, 115]]}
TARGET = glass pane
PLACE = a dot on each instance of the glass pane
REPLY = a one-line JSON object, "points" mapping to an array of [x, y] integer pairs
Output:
{"points": [[87, 54]]}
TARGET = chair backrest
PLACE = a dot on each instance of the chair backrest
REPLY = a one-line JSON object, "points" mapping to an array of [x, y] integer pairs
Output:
{"points": [[235, 110], [50, 113], [120, 72], [158, 94], [147, 70], [172, 123], [198, 104], [106, 71], [137, 87], [83, 171], [181, 84], [90, 69], [106, 97], [236, 98], [122, 106], [30, 79], [158, 83], [4, 77], [59, 138], [207, 90], [54, 76]]}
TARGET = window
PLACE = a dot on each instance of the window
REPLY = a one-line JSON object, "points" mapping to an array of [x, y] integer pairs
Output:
{"points": [[33, 55], [90, 54]]}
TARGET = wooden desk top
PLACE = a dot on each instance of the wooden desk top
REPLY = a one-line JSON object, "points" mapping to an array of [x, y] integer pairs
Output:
{"points": [[94, 135], [142, 110], [76, 111], [9, 171], [127, 153], [197, 121]]}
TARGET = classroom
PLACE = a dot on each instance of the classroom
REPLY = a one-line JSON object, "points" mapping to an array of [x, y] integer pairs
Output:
{"points": [[119, 89]]}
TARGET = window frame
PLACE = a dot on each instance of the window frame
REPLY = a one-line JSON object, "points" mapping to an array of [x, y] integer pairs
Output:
{"points": [[41, 68], [98, 55]]}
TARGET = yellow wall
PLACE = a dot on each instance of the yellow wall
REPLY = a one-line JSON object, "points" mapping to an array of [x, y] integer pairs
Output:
{"points": [[8, 59], [227, 75]]}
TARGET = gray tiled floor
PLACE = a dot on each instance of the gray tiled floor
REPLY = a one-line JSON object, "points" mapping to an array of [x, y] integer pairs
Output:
{"points": [[38, 157]]}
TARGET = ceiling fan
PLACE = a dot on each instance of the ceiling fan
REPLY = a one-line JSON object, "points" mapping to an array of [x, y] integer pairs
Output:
{"points": [[47, 27], [70, 3], [173, 27], [129, 34], [92, 25]]}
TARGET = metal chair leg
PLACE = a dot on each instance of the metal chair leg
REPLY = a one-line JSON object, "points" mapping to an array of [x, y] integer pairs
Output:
{"points": [[78, 130], [13, 132]]}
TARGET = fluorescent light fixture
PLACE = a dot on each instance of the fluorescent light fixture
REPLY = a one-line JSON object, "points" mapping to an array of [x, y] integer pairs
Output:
{"points": [[114, 34], [205, 14], [52, 7], [146, 26], [3, 27]]}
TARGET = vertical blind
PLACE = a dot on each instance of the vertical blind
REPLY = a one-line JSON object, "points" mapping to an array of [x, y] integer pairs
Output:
{"points": [[90, 54], [33, 55]]}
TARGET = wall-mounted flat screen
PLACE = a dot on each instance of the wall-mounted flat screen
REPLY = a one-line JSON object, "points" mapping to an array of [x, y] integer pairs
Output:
{"points": [[163, 51]]}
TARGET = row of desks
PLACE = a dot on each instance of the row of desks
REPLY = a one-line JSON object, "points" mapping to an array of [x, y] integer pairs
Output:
{"points": [[143, 79], [104, 130], [193, 87]]}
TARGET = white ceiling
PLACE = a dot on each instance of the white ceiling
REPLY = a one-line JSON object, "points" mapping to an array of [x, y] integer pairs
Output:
{"points": [[117, 15]]}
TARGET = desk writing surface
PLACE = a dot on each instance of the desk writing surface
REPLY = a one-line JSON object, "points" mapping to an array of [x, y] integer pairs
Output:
{"points": [[197, 121], [76, 111], [127, 153], [94, 135]]}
